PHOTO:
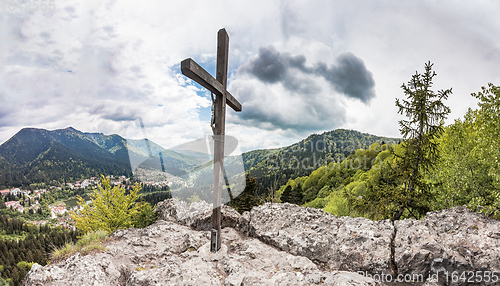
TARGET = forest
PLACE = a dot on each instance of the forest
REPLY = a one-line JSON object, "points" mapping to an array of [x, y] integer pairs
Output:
{"points": [[17, 256], [22, 243]]}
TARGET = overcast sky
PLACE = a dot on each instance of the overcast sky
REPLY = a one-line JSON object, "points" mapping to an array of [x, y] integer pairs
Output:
{"points": [[297, 67]]}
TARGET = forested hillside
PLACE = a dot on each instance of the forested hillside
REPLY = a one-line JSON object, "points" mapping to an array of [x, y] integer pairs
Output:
{"points": [[277, 166], [35, 245], [274, 167], [38, 155], [464, 170]]}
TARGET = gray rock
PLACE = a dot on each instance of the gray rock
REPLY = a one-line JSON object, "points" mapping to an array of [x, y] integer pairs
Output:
{"points": [[351, 244], [197, 215], [454, 240], [284, 244], [167, 253]]}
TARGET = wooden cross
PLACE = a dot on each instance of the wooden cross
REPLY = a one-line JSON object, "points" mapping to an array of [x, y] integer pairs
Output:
{"points": [[217, 86]]}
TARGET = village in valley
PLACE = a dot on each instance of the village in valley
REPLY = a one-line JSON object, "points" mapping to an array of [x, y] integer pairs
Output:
{"points": [[56, 201]]}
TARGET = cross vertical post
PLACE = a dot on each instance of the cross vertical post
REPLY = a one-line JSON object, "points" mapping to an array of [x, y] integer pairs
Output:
{"points": [[218, 86], [220, 122]]}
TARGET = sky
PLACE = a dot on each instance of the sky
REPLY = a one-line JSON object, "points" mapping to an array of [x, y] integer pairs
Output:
{"points": [[297, 67]]}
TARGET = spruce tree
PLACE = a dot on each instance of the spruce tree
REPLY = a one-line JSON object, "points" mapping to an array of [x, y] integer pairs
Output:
{"points": [[248, 198], [292, 195], [15, 276], [426, 112]]}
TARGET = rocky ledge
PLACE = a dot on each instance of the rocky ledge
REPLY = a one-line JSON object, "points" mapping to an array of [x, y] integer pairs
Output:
{"points": [[284, 244]]}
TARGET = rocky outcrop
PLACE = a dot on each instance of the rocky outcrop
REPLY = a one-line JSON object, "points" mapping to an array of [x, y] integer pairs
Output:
{"points": [[167, 253], [284, 244], [454, 242], [351, 244]]}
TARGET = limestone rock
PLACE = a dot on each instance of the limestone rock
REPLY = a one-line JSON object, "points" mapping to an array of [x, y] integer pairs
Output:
{"points": [[352, 244], [284, 244], [167, 253], [197, 215], [454, 240]]}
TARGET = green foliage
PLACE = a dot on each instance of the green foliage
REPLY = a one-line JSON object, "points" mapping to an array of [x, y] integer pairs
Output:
{"points": [[292, 195], [329, 185], [110, 210], [317, 203], [194, 198], [468, 170], [487, 126], [155, 197], [373, 193], [304, 157], [25, 265], [249, 197], [270, 195], [145, 215], [33, 246], [457, 165]]}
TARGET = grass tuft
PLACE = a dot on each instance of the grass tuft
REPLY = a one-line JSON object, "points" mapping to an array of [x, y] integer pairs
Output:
{"points": [[89, 242]]}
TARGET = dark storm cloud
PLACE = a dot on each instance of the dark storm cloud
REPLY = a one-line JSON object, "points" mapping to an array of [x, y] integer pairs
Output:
{"points": [[307, 115], [348, 75], [267, 107]]}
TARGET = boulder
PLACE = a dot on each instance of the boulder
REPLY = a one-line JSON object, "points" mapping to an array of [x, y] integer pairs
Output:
{"points": [[197, 215], [340, 243], [455, 242]]}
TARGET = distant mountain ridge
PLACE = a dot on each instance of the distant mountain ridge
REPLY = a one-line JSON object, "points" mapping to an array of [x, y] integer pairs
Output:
{"points": [[301, 158], [38, 155], [274, 167]]}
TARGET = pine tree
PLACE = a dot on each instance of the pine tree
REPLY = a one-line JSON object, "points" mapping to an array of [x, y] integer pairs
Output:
{"points": [[15, 276], [426, 113], [248, 198], [29, 256], [292, 195]]}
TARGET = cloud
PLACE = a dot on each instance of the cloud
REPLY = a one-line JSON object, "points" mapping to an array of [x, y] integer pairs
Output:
{"points": [[282, 91], [348, 75], [123, 54], [118, 113], [291, 22]]}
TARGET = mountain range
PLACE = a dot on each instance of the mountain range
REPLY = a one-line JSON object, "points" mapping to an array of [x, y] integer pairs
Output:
{"points": [[38, 155]]}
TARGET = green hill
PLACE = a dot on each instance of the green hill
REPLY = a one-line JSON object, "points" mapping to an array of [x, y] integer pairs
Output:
{"points": [[37, 155], [278, 166], [300, 159]]}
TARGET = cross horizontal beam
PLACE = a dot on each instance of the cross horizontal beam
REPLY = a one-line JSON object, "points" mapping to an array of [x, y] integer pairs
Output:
{"points": [[195, 72]]}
